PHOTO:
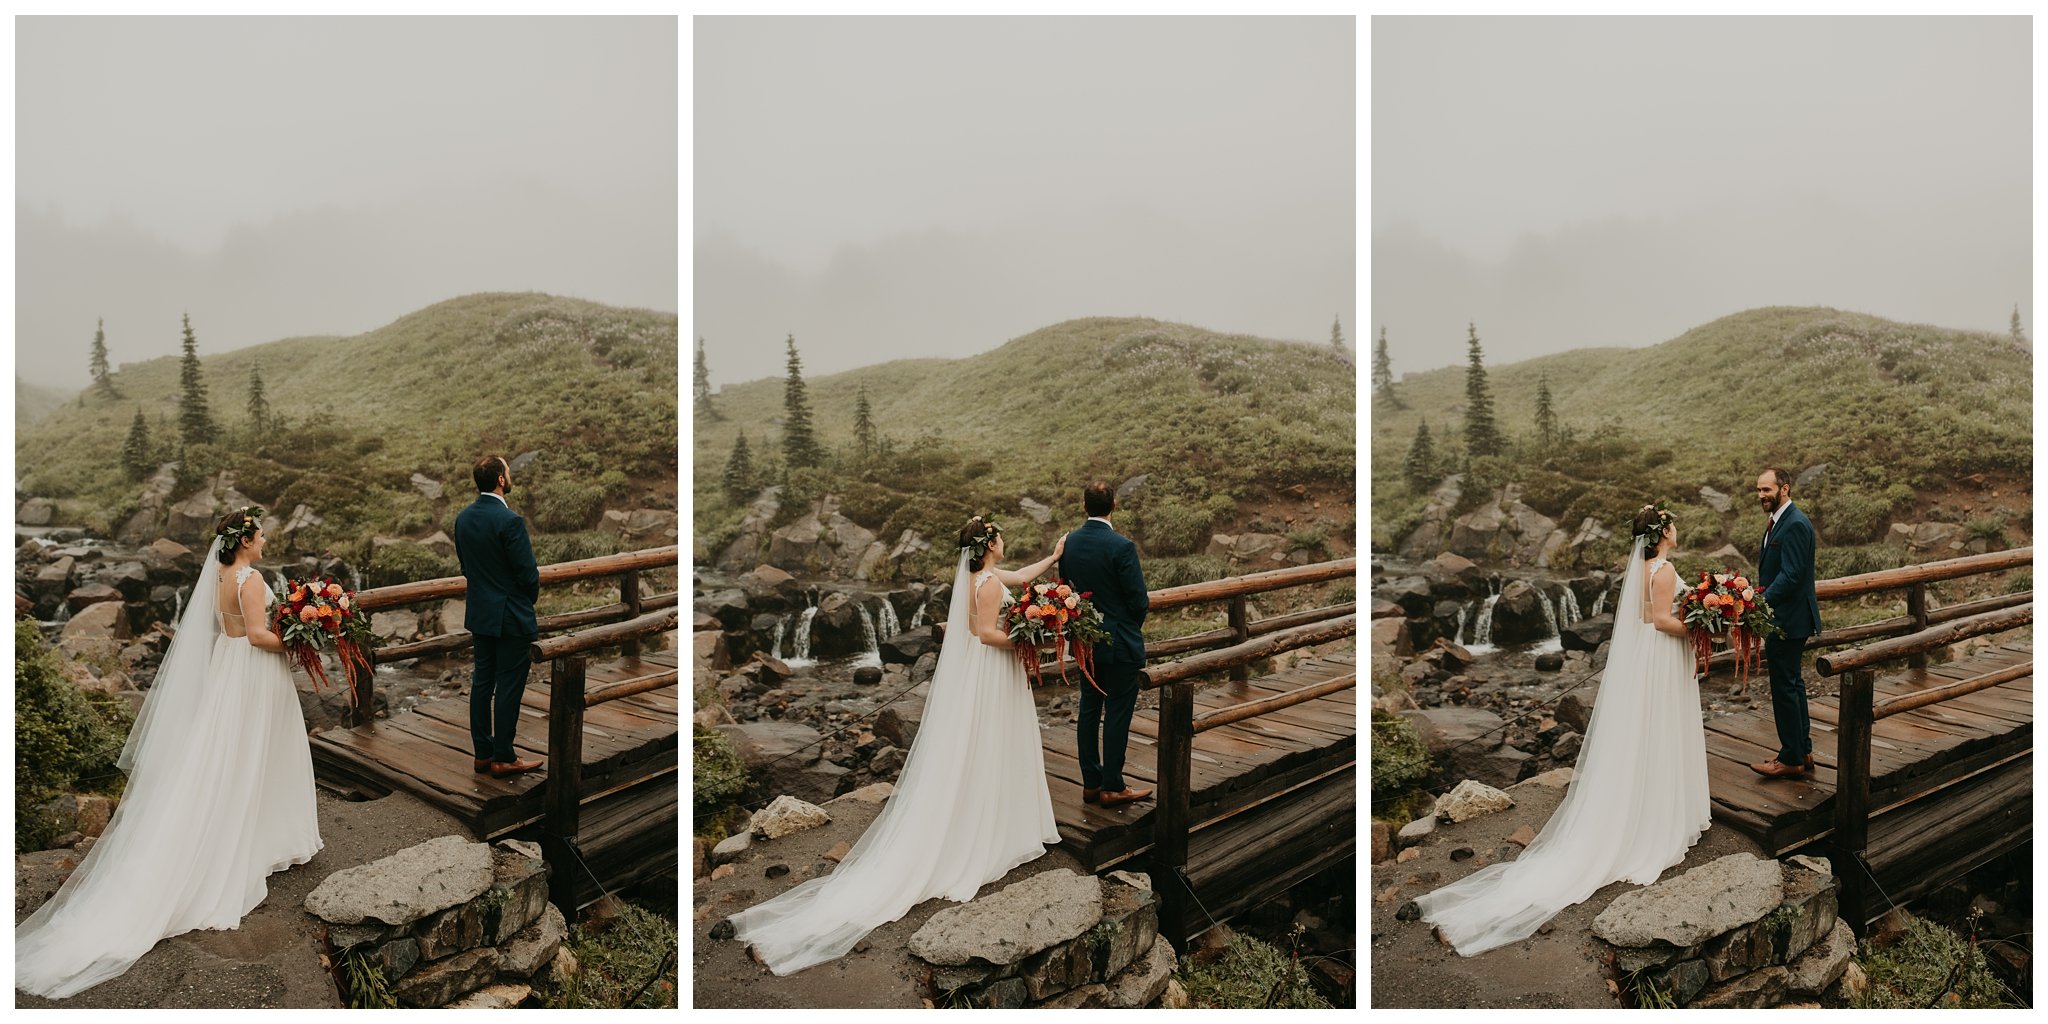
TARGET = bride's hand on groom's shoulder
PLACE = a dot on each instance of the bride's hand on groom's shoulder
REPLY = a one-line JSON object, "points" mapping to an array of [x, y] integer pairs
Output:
{"points": [[1059, 547]]}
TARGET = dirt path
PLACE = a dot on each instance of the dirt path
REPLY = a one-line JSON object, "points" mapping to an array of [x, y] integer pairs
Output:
{"points": [[273, 959], [879, 974], [1411, 969]]}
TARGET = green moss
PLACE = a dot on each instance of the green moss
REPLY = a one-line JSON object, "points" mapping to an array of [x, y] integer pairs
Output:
{"points": [[1251, 975], [1400, 758], [718, 776], [63, 737], [1926, 965], [640, 948]]}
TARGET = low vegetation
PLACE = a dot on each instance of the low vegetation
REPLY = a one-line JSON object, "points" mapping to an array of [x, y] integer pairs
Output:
{"points": [[64, 738], [629, 964], [1926, 966], [1251, 975]]}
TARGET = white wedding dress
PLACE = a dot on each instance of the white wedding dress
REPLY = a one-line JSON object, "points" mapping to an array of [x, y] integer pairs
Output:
{"points": [[1637, 801], [970, 805], [219, 795]]}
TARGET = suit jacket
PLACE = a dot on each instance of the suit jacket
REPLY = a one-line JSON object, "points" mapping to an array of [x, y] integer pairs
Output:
{"points": [[1104, 564], [497, 560], [1786, 569]]}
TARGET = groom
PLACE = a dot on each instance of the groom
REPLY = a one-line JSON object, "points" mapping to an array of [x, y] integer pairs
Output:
{"points": [[1104, 564], [1786, 571], [497, 560]]}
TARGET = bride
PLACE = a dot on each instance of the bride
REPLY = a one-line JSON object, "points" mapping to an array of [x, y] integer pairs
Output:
{"points": [[1638, 797], [971, 803], [219, 793]]}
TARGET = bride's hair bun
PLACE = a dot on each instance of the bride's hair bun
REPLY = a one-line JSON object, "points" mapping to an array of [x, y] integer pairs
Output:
{"points": [[235, 529], [975, 538], [1651, 522]]}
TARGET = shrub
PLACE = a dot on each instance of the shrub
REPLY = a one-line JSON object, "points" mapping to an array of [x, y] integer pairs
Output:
{"points": [[62, 737], [565, 503], [1924, 965], [717, 773], [634, 959], [1830, 562], [549, 548], [404, 562], [1172, 526], [1161, 573], [1400, 758], [1252, 975]]}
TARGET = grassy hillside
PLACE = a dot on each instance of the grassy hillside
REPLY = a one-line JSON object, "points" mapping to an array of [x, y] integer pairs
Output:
{"points": [[591, 387], [32, 402], [1218, 421], [1896, 411]]}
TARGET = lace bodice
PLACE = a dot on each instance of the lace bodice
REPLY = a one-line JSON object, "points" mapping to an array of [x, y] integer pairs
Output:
{"points": [[1008, 597], [231, 623], [1650, 577]]}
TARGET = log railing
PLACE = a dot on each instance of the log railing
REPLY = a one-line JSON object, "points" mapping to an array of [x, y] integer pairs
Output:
{"points": [[1913, 579], [1247, 642], [1860, 712], [562, 805], [632, 604]]}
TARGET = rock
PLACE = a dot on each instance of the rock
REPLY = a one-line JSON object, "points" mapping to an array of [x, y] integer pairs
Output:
{"points": [[1415, 831], [1454, 727], [427, 485], [1382, 841], [775, 871], [1587, 634], [503, 996], [816, 542], [1140, 984], [105, 620], [519, 462], [730, 848], [1556, 778], [1716, 897], [1390, 639], [887, 761], [1520, 616], [838, 851], [406, 886], [1809, 476], [926, 667], [786, 815], [867, 675], [1132, 879], [533, 947], [1036, 512], [1407, 855], [1926, 538], [397, 625], [1816, 970], [721, 872], [1550, 661], [1523, 836], [1409, 911], [1566, 746], [1682, 981], [1804, 915], [1024, 917], [1463, 853], [441, 544], [1412, 593], [442, 981], [906, 647], [728, 606], [1471, 799], [1175, 997], [873, 793], [1853, 982], [896, 726], [1575, 709], [1716, 500], [1752, 991], [57, 573], [1730, 556], [517, 897], [35, 512]]}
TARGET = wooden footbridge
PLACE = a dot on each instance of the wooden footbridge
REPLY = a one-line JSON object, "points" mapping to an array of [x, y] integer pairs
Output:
{"points": [[1924, 772], [604, 805], [1254, 794]]}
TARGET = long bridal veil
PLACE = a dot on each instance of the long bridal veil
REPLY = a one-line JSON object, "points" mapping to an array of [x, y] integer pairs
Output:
{"points": [[1636, 804], [970, 804]]}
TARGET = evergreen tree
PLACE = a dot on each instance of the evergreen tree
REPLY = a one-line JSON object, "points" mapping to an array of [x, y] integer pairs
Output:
{"points": [[195, 424], [863, 426], [800, 442], [1337, 334], [1481, 436], [1420, 467], [2019, 336], [102, 372], [739, 472], [1383, 373], [135, 452], [1546, 417], [259, 407], [700, 387]]}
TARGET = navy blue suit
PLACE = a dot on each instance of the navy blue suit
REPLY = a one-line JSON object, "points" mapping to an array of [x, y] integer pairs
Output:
{"points": [[1104, 563], [497, 560], [1785, 568]]}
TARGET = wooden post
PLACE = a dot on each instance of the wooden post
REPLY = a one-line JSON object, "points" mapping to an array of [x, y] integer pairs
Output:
{"points": [[1240, 631], [1916, 608], [1852, 797], [561, 806], [1170, 817], [363, 693], [629, 595]]}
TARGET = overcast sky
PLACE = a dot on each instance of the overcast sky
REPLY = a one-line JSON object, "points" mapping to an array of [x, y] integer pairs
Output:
{"points": [[891, 187], [1615, 181], [295, 176]]}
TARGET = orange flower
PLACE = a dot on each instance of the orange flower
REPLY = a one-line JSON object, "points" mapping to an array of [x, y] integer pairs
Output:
{"points": [[1033, 612], [334, 590], [308, 615]]}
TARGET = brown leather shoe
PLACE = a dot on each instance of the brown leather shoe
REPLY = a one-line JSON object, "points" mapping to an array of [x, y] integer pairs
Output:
{"points": [[1774, 769], [1125, 796], [1809, 765], [1090, 795], [483, 765], [504, 768]]}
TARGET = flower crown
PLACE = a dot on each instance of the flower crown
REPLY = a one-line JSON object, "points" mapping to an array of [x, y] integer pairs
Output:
{"points": [[979, 541], [241, 528], [1664, 519]]}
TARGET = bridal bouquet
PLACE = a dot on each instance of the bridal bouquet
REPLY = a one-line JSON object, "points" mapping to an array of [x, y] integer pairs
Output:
{"points": [[1057, 617], [1727, 605], [318, 613]]}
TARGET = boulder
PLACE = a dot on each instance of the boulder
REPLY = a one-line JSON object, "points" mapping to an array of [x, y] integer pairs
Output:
{"points": [[1550, 661], [395, 625], [194, 517], [872, 793], [1753, 991], [1716, 897], [406, 886], [1018, 920], [533, 948], [57, 573], [1506, 531], [1382, 841], [517, 897], [644, 526], [504, 996], [1034, 511], [1587, 634], [1456, 727], [302, 518], [443, 981], [751, 545], [867, 675], [1566, 746], [36, 512], [1412, 593], [1804, 916], [1717, 501], [786, 815], [1135, 987], [822, 542], [1575, 709], [897, 725], [1927, 538], [1732, 557], [440, 543], [1433, 533], [106, 620], [90, 594], [427, 486], [1247, 548], [731, 847], [728, 606], [1817, 969], [1415, 831], [1390, 639], [1520, 615], [1471, 799], [906, 647]]}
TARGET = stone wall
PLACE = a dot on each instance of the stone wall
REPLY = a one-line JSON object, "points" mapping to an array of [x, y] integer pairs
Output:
{"points": [[451, 922], [1056, 940]]}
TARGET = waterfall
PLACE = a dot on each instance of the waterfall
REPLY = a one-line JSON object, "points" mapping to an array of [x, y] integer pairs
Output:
{"points": [[1568, 607], [1599, 604], [870, 644], [1549, 613], [916, 616], [1482, 633], [889, 626], [802, 643], [1464, 613], [775, 644], [177, 608]]}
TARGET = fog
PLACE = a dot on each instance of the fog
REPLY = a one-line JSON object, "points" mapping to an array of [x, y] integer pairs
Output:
{"points": [[897, 187], [278, 177], [1570, 182]]}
